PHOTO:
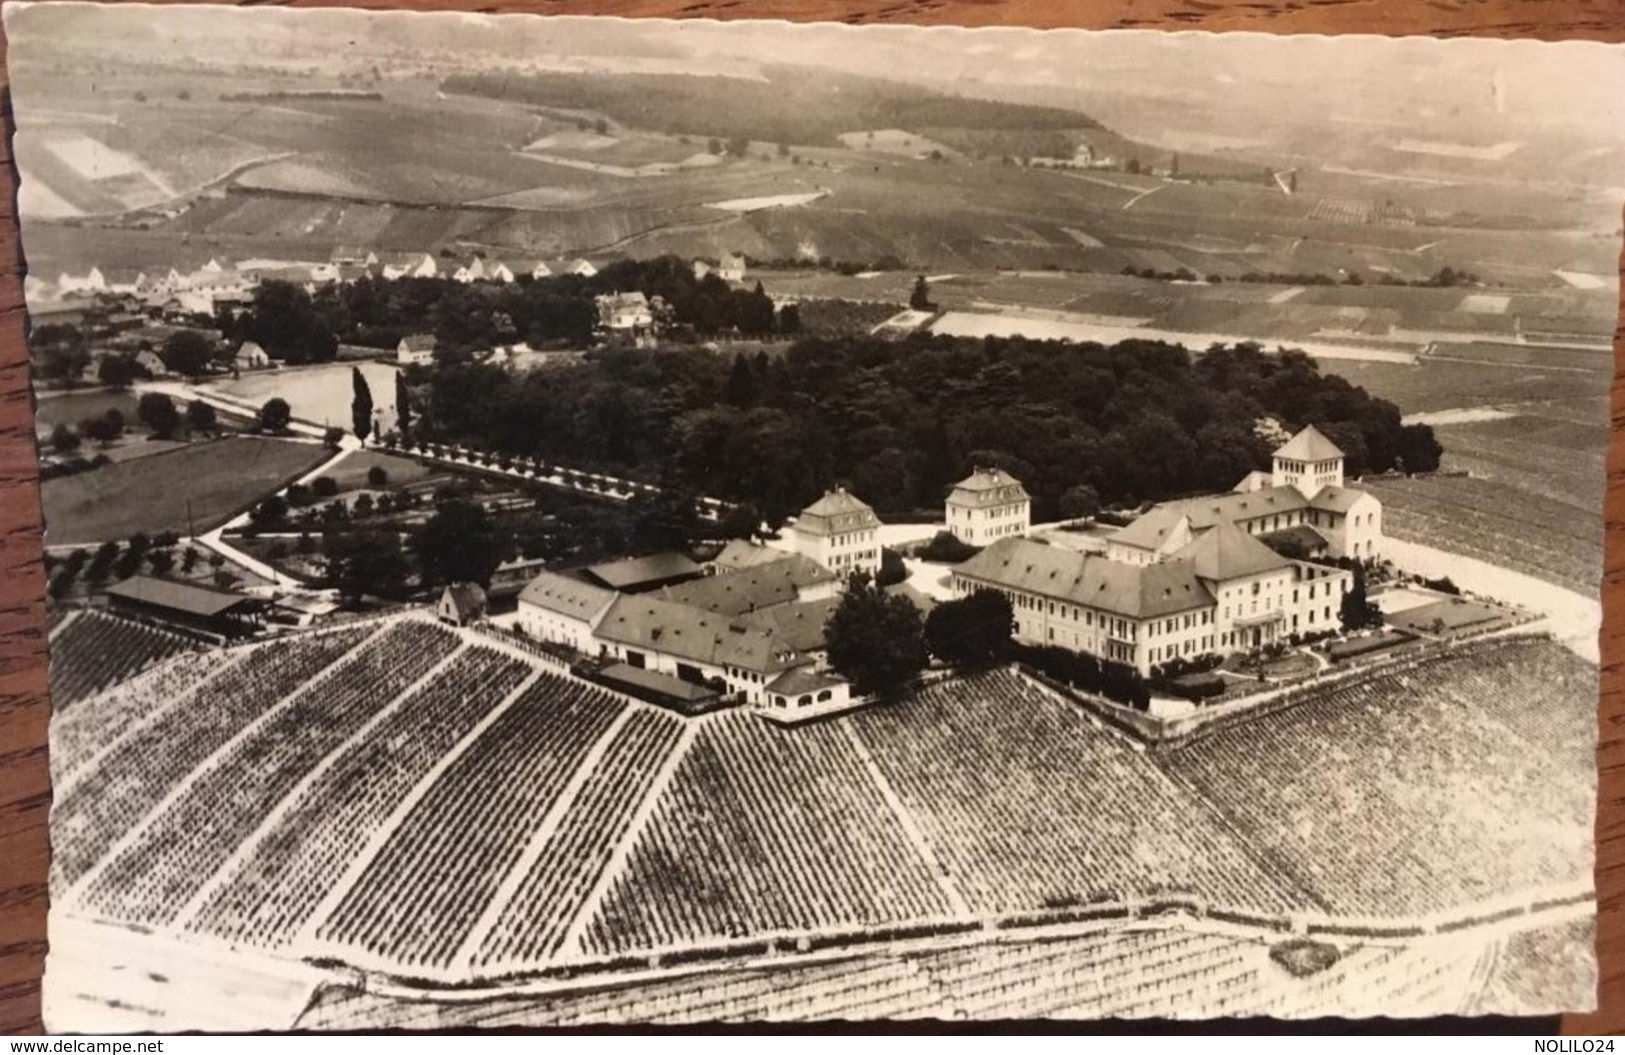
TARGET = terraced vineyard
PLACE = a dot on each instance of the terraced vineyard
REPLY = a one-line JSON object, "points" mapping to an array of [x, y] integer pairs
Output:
{"points": [[95, 650], [1030, 806], [1419, 791]]}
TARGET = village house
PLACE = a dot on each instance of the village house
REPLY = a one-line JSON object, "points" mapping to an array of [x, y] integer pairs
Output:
{"points": [[250, 356], [461, 604], [473, 271], [839, 531], [409, 265], [625, 314], [84, 285], [415, 349], [988, 505], [499, 272], [353, 256], [1305, 491], [149, 361], [731, 268], [583, 268]]}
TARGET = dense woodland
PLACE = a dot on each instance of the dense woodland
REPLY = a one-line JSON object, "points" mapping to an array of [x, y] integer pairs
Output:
{"points": [[898, 422]]}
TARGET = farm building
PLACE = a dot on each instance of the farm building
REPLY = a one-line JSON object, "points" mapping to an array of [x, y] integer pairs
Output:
{"points": [[415, 349], [187, 606], [499, 272], [731, 268], [789, 579], [250, 356], [839, 531], [1222, 592], [583, 268], [694, 645], [662, 690], [988, 505], [1305, 489], [473, 271], [643, 574], [460, 604], [562, 610]]}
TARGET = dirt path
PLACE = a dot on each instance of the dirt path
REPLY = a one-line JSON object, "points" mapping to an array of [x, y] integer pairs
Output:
{"points": [[1575, 619]]}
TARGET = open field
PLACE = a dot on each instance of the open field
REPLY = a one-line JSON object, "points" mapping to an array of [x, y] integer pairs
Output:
{"points": [[70, 408], [198, 486]]}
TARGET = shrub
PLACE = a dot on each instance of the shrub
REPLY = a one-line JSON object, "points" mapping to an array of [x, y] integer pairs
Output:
{"points": [[324, 487], [944, 548], [1443, 585], [377, 476], [892, 569]]}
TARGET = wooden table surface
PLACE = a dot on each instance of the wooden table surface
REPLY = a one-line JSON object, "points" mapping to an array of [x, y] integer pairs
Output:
{"points": [[25, 792]]}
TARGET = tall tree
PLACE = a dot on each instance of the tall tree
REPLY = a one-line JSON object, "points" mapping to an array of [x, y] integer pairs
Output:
{"points": [[971, 632], [920, 299], [457, 544], [116, 372], [157, 412], [875, 639], [360, 405], [403, 405], [741, 390], [201, 417], [187, 353]]}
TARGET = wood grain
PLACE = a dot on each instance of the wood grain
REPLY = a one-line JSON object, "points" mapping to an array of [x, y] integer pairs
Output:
{"points": [[24, 710]]}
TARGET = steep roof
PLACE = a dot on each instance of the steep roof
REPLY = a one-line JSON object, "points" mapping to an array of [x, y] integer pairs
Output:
{"points": [[1226, 552], [751, 589], [799, 626], [1309, 445], [988, 487], [249, 348], [1208, 510], [418, 342], [1151, 530], [1338, 499], [1130, 590], [565, 596], [633, 572], [692, 633], [181, 596], [739, 554], [837, 511]]}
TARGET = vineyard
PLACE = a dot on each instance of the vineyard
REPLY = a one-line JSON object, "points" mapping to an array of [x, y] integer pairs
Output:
{"points": [[223, 804], [421, 897], [1030, 806], [404, 797], [94, 650], [794, 811], [279, 886], [89, 815], [1418, 792]]}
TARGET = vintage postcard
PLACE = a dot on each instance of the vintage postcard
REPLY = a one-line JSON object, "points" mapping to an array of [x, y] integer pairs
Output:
{"points": [[581, 521]]}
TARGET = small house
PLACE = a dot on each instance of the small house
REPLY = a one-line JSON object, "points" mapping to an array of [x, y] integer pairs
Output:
{"points": [[415, 349], [732, 267], [250, 356], [148, 361], [461, 603]]}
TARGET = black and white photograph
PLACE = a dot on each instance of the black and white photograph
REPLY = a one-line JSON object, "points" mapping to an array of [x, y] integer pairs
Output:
{"points": [[560, 522]]}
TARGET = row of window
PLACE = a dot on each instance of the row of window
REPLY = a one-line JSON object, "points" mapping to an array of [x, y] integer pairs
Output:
{"points": [[851, 537], [847, 560]]}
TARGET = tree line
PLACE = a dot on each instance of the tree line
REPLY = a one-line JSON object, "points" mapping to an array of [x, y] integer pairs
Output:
{"points": [[899, 421], [556, 311]]}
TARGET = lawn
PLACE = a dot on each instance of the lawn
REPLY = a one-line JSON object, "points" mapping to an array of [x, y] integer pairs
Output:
{"points": [[351, 473], [1449, 617], [72, 408], [151, 494]]}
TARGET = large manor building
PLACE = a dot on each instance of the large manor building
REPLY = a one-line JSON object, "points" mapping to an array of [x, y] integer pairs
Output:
{"points": [[1219, 574], [988, 505]]}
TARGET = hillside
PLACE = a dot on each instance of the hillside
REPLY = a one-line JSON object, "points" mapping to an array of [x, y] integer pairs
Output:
{"points": [[293, 796], [789, 104]]}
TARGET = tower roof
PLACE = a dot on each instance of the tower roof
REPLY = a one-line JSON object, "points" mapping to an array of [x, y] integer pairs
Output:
{"points": [[1226, 552], [1309, 445]]}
